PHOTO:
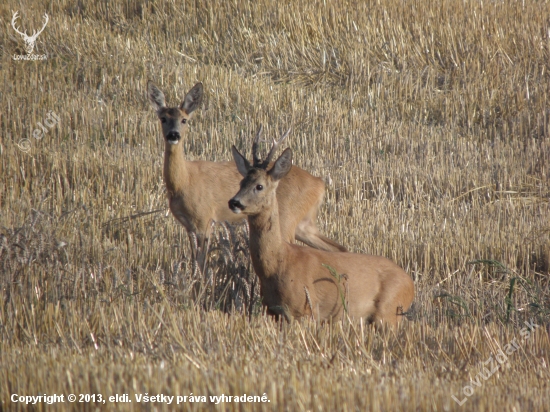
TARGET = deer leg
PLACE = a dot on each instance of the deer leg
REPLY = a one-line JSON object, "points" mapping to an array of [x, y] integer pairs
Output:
{"points": [[193, 241], [307, 232], [392, 305], [200, 255], [203, 244]]}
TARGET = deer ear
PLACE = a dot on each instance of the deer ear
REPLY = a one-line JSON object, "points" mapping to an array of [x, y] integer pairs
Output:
{"points": [[243, 166], [192, 99], [282, 165], [156, 97]]}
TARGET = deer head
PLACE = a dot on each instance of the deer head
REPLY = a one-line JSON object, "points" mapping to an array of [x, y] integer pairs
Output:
{"points": [[29, 40], [259, 184], [174, 119]]}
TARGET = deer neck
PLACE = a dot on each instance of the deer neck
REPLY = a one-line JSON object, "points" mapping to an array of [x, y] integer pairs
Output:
{"points": [[176, 175], [266, 244]]}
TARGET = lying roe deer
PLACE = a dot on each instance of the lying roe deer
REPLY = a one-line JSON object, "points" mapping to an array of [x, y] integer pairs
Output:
{"points": [[297, 281], [198, 191]]}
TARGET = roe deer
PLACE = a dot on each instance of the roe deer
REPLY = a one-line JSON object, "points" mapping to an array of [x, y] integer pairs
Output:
{"points": [[198, 191], [298, 281]]}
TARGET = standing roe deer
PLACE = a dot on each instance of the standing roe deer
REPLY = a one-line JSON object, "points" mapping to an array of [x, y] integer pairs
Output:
{"points": [[298, 281], [198, 191]]}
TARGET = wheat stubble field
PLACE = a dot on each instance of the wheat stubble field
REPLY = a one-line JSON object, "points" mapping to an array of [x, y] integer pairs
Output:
{"points": [[430, 125]]}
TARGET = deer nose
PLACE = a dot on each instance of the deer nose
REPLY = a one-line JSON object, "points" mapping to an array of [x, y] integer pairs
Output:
{"points": [[235, 205], [173, 136]]}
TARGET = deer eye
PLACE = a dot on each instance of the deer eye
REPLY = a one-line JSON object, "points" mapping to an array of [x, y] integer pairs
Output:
{"points": [[163, 119], [184, 121], [259, 187]]}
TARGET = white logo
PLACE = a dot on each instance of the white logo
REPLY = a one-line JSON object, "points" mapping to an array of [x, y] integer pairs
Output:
{"points": [[30, 41]]}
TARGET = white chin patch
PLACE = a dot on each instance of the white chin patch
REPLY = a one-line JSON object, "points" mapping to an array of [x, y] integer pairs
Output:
{"points": [[236, 210], [173, 141]]}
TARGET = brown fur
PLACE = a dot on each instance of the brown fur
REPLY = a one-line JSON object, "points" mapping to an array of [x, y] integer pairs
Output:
{"points": [[198, 191], [296, 281]]}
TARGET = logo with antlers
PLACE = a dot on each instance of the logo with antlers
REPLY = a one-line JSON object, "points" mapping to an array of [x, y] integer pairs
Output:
{"points": [[29, 40]]}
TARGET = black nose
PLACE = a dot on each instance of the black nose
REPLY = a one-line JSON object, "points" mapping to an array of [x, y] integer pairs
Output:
{"points": [[235, 204], [174, 136]]}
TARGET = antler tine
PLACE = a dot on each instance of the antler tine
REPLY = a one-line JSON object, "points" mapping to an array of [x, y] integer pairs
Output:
{"points": [[255, 156], [274, 147]]}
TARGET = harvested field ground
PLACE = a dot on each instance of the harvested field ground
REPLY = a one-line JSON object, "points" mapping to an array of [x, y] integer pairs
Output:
{"points": [[430, 123]]}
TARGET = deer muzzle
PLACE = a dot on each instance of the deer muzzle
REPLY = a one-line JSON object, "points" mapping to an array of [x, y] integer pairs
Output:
{"points": [[173, 137], [236, 206]]}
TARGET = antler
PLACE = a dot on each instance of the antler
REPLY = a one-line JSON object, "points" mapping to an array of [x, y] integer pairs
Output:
{"points": [[274, 147], [257, 161], [35, 35], [15, 16]]}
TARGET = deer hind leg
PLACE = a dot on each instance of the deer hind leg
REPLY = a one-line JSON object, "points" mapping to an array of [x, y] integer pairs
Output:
{"points": [[308, 233], [392, 306]]}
